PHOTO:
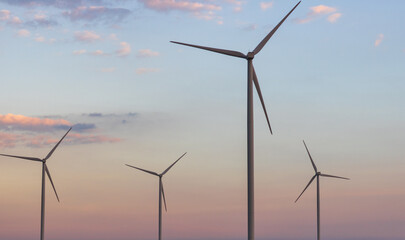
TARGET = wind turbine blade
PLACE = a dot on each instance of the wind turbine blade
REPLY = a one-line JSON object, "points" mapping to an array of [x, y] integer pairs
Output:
{"points": [[26, 158], [53, 149], [50, 179], [259, 92], [264, 41], [163, 173], [164, 198], [312, 161], [217, 50], [147, 171], [326, 175], [310, 181]]}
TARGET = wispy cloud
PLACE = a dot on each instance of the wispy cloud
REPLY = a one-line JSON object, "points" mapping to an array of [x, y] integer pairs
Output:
{"points": [[40, 39], [140, 71], [266, 5], [237, 5], [108, 70], [125, 49], [87, 36], [250, 27], [34, 131], [79, 52], [97, 14], [20, 122], [321, 10], [180, 5], [144, 53], [41, 20], [4, 15], [201, 10], [23, 33], [379, 40], [98, 53], [334, 17]]}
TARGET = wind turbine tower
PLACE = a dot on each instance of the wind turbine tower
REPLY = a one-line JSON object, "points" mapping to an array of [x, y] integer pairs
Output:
{"points": [[251, 79]]}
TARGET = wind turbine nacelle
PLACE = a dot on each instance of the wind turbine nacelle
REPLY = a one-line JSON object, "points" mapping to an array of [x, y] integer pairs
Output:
{"points": [[250, 55]]}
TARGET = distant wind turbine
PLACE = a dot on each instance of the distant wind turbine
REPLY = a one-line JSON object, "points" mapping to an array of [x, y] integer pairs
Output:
{"points": [[44, 170], [251, 75], [317, 175], [161, 191]]}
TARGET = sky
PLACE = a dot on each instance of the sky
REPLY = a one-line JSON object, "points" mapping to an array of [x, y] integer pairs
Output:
{"points": [[332, 75]]}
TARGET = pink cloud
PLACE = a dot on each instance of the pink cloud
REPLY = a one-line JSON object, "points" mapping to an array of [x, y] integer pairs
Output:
{"points": [[23, 33], [379, 40], [147, 53], [79, 52], [97, 14], [321, 10], [188, 6], [87, 36], [205, 11], [40, 39], [334, 17], [32, 123], [265, 5], [9, 140], [4, 15], [140, 71], [15, 20], [124, 50], [98, 53]]}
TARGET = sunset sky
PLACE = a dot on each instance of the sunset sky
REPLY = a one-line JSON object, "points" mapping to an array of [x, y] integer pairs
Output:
{"points": [[332, 75]]}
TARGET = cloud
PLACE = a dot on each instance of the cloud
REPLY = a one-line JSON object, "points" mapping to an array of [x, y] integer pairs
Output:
{"points": [[79, 52], [205, 11], [11, 140], [23, 33], [15, 20], [95, 115], [34, 128], [87, 36], [180, 5], [237, 5], [4, 15], [62, 4], [144, 53], [113, 37], [124, 50], [265, 5], [334, 17], [21, 122], [41, 20], [140, 71], [108, 70], [379, 39], [321, 10], [250, 27], [97, 14], [77, 138], [98, 53], [40, 39]]}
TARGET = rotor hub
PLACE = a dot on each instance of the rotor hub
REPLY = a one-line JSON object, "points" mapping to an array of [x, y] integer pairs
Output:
{"points": [[250, 55]]}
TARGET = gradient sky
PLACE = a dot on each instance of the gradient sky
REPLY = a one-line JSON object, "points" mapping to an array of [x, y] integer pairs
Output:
{"points": [[333, 74]]}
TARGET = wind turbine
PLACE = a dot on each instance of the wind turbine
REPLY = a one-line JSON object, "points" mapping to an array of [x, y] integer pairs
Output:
{"points": [[44, 170], [317, 175], [161, 191], [251, 75]]}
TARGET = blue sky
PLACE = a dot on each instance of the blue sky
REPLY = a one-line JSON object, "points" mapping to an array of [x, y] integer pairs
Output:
{"points": [[332, 75]]}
